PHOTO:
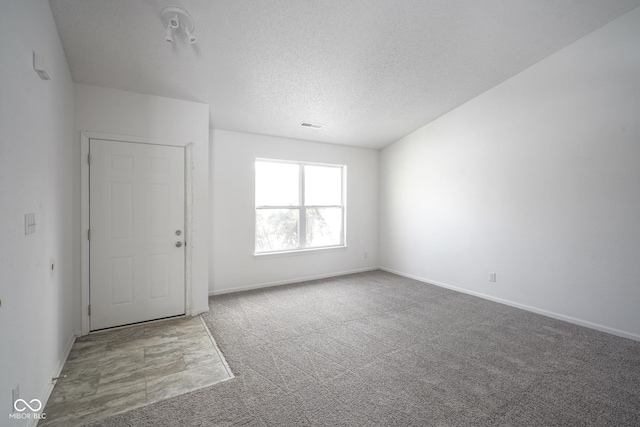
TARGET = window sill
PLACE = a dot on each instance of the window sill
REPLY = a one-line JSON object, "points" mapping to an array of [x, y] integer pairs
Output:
{"points": [[297, 252]]}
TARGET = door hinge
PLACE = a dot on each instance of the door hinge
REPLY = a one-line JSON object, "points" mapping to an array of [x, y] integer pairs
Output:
{"points": [[89, 159], [89, 309], [89, 234]]}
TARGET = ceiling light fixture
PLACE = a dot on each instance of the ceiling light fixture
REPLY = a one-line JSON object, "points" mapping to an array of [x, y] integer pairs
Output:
{"points": [[190, 36], [169, 36], [177, 19]]}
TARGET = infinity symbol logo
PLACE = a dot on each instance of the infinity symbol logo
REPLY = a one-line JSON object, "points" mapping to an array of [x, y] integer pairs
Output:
{"points": [[27, 405]]}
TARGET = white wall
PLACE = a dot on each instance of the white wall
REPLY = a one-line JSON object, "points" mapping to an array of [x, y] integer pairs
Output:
{"points": [[232, 263], [537, 180], [36, 156], [120, 112]]}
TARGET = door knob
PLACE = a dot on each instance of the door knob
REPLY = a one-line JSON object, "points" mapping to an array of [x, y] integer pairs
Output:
{"points": [[178, 244]]}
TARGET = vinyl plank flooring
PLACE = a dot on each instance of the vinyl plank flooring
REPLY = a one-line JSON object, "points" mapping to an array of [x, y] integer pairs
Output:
{"points": [[115, 371]]}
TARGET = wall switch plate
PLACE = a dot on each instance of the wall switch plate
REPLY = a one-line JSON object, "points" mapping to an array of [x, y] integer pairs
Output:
{"points": [[492, 277], [39, 67], [29, 223]]}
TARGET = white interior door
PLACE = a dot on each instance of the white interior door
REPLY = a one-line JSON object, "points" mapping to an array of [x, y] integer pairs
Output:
{"points": [[136, 247]]}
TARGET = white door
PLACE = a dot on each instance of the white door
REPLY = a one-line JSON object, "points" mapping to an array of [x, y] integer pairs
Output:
{"points": [[136, 247]]}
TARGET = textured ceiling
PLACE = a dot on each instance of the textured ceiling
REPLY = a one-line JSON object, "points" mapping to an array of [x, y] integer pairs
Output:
{"points": [[370, 71]]}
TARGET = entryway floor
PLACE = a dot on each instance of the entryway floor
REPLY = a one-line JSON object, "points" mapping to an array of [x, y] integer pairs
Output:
{"points": [[114, 371]]}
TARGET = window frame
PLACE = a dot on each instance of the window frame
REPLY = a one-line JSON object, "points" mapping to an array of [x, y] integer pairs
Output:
{"points": [[302, 209]]}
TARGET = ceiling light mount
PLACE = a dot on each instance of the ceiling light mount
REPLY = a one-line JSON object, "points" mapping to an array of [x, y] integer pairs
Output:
{"points": [[177, 19]]}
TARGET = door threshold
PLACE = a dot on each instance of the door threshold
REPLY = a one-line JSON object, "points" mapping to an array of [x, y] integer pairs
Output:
{"points": [[128, 325]]}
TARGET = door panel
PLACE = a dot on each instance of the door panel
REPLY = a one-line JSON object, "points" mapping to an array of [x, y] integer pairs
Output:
{"points": [[136, 207]]}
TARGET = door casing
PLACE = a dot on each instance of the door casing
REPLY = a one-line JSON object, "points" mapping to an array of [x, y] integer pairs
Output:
{"points": [[84, 216]]}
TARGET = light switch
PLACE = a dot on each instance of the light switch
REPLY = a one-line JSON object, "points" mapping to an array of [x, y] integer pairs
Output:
{"points": [[29, 223]]}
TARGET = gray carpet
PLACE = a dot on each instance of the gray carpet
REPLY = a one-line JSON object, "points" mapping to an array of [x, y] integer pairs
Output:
{"points": [[376, 349]]}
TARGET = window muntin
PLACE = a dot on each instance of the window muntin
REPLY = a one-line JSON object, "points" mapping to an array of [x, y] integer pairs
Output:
{"points": [[298, 206]]}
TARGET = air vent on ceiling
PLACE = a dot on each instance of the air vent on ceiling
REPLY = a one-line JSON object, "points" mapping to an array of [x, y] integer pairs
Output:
{"points": [[310, 125]]}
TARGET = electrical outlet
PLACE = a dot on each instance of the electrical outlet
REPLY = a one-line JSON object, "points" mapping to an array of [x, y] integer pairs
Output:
{"points": [[15, 395], [366, 255], [492, 276]]}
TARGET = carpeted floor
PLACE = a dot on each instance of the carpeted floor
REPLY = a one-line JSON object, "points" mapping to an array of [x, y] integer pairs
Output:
{"points": [[376, 349]]}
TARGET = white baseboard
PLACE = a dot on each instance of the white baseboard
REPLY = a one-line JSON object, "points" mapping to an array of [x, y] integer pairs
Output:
{"points": [[576, 321], [56, 372], [199, 310], [287, 282]]}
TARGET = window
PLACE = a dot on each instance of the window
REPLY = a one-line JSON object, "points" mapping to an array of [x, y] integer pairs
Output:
{"points": [[299, 206]]}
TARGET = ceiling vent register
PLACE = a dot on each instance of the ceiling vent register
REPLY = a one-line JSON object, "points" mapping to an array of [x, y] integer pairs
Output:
{"points": [[311, 125]]}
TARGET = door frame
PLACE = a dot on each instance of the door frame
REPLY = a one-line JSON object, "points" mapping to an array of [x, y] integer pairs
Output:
{"points": [[84, 212]]}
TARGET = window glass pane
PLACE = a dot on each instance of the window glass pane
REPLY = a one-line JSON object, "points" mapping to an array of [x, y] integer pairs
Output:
{"points": [[277, 184], [322, 185], [324, 226], [276, 229]]}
